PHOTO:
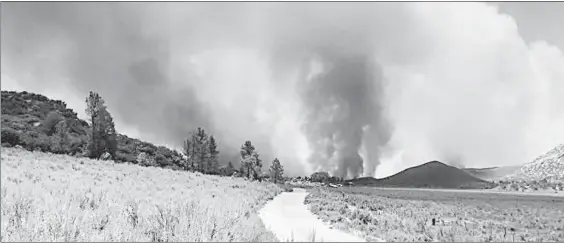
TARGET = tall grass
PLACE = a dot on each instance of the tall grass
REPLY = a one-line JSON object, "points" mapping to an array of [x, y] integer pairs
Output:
{"points": [[403, 216], [47, 197]]}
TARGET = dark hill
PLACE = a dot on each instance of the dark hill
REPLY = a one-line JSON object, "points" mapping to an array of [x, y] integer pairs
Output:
{"points": [[432, 174], [24, 119]]}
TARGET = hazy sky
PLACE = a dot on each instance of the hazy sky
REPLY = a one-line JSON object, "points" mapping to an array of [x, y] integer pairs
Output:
{"points": [[353, 88]]}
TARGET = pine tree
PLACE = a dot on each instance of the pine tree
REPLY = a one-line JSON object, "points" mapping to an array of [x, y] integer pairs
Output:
{"points": [[103, 134], [247, 150], [189, 151], [109, 134], [213, 160], [256, 165], [230, 169], [194, 155], [94, 105], [276, 171], [242, 169], [201, 149]]}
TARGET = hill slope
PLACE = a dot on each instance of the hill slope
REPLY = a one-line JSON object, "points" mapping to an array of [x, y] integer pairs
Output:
{"points": [[24, 119], [549, 167], [432, 174], [492, 173]]}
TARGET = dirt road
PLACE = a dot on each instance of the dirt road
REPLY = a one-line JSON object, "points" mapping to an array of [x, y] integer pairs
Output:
{"points": [[290, 220]]}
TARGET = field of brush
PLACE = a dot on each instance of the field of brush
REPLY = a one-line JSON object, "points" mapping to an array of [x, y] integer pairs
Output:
{"points": [[48, 197], [406, 215]]}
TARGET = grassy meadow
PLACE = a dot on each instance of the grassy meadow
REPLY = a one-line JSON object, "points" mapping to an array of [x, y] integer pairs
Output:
{"points": [[406, 215], [47, 197]]}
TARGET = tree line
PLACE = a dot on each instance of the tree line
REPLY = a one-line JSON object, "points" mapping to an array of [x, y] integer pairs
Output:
{"points": [[201, 150], [39, 124]]}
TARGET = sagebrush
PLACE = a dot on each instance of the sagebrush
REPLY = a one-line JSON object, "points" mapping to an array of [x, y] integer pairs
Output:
{"points": [[47, 197], [407, 215]]}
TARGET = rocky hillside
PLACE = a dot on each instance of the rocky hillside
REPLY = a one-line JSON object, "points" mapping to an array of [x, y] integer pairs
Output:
{"points": [[549, 167], [27, 117], [544, 174]]}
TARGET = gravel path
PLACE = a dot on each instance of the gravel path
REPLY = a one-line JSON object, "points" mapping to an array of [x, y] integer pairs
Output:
{"points": [[290, 220]]}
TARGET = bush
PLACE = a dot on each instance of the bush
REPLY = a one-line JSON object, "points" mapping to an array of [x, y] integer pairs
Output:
{"points": [[53, 118], [320, 176], [56, 147], [125, 157], [162, 161], [145, 159], [32, 140], [10, 137], [77, 146]]}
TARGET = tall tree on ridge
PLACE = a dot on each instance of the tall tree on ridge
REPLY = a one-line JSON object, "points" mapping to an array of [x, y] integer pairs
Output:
{"points": [[103, 134]]}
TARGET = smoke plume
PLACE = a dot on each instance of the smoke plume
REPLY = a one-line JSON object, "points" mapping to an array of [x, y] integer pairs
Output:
{"points": [[342, 109], [356, 89]]}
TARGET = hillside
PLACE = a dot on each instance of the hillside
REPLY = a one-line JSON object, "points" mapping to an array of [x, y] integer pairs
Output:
{"points": [[49, 197], [543, 174], [25, 117], [549, 167], [492, 173], [432, 174]]}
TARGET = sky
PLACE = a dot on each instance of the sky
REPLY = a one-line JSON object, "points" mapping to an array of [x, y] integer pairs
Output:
{"points": [[356, 89]]}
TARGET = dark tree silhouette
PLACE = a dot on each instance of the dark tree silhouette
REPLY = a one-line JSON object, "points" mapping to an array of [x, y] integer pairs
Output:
{"points": [[102, 134]]}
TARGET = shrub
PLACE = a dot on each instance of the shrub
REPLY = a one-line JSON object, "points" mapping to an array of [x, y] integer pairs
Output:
{"points": [[320, 176], [32, 140], [10, 137], [125, 157], [50, 123], [145, 160], [77, 145], [161, 160], [55, 146]]}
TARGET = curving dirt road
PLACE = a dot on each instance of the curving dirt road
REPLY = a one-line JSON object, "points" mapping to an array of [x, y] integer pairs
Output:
{"points": [[289, 219]]}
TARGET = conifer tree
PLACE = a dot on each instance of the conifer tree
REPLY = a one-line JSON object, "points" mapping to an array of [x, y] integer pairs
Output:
{"points": [[201, 149], [102, 135], [230, 169], [213, 160], [276, 171], [247, 151], [250, 161], [190, 151]]}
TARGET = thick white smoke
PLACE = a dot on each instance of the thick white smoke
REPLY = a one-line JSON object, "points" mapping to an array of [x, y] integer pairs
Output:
{"points": [[483, 97], [354, 88]]}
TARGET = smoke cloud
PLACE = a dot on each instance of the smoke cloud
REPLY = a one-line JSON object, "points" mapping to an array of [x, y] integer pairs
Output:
{"points": [[357, 89], [342, 112]]}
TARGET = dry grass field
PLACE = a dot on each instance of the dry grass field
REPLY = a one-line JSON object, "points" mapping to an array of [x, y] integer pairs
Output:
{"points": [[406, 215], [49, 197]]}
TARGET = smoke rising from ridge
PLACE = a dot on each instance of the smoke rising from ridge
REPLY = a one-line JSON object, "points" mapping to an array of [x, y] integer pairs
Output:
{"points": [[353, 88], [342, 110]]}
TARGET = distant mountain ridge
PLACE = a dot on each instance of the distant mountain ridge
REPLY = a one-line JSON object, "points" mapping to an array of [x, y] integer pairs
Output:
{"points": [[432, 174]]}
